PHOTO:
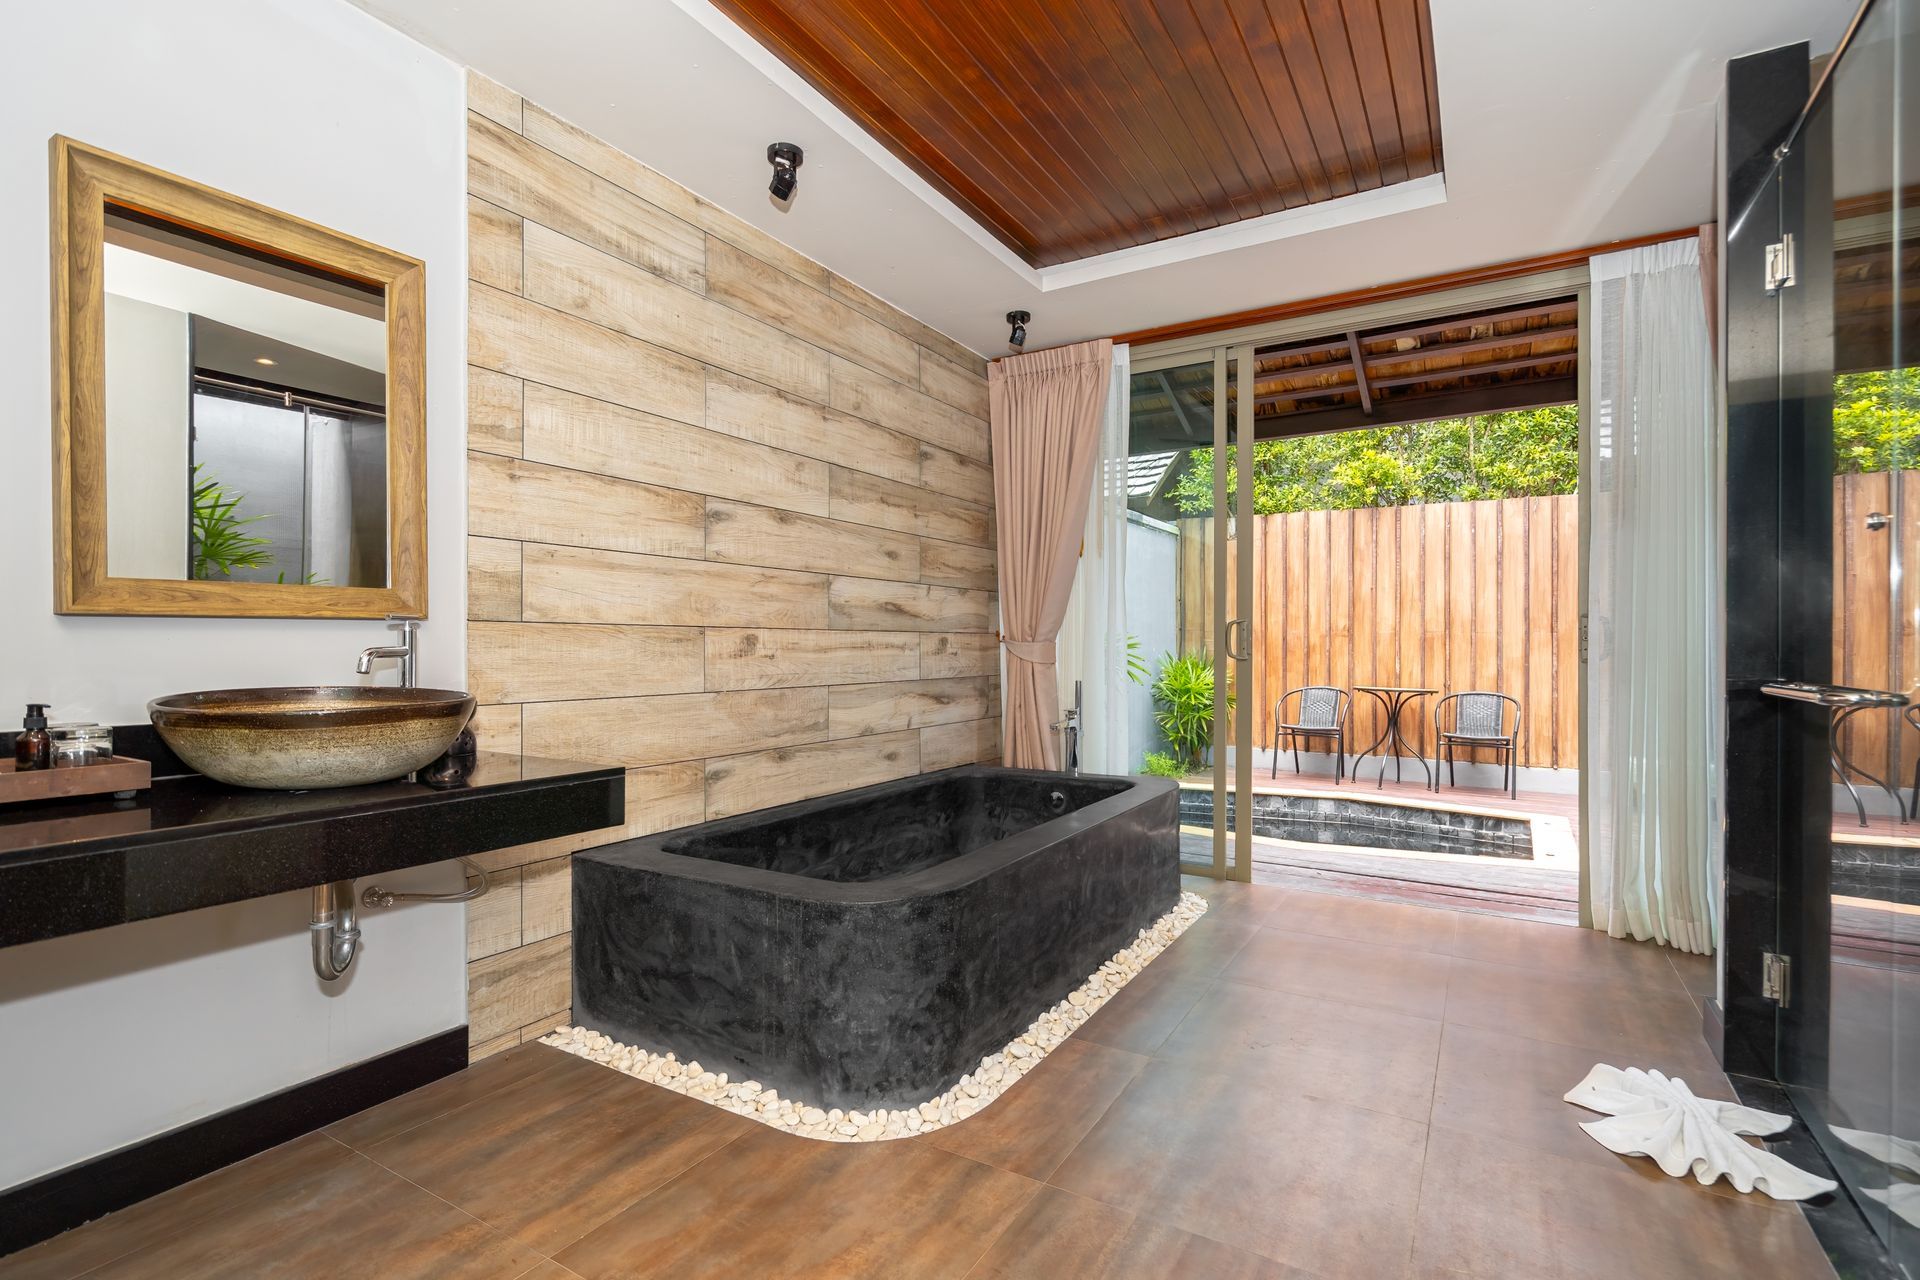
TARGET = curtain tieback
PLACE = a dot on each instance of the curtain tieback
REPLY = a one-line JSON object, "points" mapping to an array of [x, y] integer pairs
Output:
{"points": [[1038, 652]]}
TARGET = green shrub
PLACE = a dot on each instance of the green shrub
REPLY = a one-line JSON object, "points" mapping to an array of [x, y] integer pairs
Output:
{"points": [[1159, 764], [1183, 692]]}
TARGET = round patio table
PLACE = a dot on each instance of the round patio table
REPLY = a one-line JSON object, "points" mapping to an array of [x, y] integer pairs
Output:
{"points": [[1393, 699], [1842, 766]]}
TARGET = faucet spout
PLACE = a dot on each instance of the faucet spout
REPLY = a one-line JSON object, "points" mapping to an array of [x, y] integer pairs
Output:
{"points": [[406, 652], [367, 656]]}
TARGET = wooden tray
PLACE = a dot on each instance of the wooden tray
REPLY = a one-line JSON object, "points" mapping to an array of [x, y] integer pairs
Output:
{"points": [[122, 773]]}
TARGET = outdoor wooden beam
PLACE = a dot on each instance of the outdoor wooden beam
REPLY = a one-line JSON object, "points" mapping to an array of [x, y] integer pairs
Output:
{"points": [[1343, 368], [1303, 393], [1302, 348], [1370, 383], [1180, 410], [1532, 394], [1461, 371], [1519, 338], [1461, 322], [1360, 372]]}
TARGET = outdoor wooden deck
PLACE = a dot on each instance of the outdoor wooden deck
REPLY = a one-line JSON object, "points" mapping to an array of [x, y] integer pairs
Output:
{"points": [[1490, 886], [1553, 804], [1414, 787]]}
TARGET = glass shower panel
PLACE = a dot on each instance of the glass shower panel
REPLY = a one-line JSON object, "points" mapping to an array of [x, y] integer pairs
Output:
{"points": [[346, 531], [329, 531], [1850, 1023], [1902, 311], [256, 452]]}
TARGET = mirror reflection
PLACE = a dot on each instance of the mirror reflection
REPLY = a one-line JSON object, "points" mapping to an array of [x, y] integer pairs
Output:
{"points": [[246, 426]]}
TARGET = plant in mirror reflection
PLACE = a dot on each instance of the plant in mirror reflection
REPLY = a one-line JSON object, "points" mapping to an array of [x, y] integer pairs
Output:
{"points": [[216, 531]]}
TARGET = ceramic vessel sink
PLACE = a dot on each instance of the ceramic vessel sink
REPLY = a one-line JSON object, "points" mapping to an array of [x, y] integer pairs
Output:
{"points": [[305, 738]]}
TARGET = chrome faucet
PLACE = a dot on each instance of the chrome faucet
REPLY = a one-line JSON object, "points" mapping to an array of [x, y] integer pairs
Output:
{"points": [[405, 651]]}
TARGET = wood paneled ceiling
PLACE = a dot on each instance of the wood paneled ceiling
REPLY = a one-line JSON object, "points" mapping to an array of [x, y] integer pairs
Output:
{"points": [[1074, 127]]}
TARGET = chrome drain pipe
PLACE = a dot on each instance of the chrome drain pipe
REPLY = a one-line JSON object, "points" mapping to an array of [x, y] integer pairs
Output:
{"points": [[336, 930], [375, 896], [336, 934]]}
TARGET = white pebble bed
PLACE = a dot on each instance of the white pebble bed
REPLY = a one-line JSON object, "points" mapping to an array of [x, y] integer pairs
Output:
{"points": [[994, 1076]]}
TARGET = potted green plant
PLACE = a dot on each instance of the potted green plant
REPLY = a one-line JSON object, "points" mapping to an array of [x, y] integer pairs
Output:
{"points": [[1183, 694]]}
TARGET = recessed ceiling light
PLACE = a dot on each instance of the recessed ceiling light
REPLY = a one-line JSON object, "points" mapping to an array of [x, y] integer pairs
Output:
{"points": [[264, 360]]}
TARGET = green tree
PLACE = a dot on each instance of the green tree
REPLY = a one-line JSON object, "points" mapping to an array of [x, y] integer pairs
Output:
{"points": [[1876, 421], [1523, 453]]}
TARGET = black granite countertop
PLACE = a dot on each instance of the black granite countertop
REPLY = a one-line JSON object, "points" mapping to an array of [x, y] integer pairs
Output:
{"points": [[71, 865]]}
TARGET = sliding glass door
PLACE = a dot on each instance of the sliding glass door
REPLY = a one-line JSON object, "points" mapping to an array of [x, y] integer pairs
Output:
{"points": [[1190, 599], [1828, 505]]}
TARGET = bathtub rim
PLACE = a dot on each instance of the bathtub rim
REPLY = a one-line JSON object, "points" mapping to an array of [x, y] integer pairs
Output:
{"points": [[648, 853]]}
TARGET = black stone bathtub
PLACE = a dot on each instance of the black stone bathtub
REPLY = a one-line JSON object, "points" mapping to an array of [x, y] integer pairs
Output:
{"points": [[867, 949]]}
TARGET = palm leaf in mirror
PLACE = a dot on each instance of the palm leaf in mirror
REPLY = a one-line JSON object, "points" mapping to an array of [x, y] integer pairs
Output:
{"points": [[216, 531]]}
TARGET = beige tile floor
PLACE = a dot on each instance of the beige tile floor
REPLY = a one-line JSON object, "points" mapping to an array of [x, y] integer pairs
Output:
{"points": [[1304, 1086]]}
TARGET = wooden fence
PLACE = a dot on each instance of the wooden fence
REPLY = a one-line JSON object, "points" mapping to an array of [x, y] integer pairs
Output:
{"points": [[1485, 595], [1450, 596], [1869, 649]]}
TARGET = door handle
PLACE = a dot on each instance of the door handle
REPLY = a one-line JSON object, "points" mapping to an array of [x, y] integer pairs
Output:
{"points": [[1832, 695], [1234, 651]]}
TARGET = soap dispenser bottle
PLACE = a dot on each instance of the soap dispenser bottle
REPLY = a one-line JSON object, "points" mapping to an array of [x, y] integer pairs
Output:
{"points": [[33, 749]]}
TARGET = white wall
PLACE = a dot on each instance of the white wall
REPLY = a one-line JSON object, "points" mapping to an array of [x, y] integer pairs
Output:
{"points": [[1153, 615], [147, 353], [313, 107]]}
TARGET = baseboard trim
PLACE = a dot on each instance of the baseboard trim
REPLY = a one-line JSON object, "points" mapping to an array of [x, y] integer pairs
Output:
{"points": [[38, 1210], [1713, 1028]]}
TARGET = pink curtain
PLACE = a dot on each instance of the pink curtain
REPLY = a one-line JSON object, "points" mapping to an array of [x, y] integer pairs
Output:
{"points": [[1045, 409]]}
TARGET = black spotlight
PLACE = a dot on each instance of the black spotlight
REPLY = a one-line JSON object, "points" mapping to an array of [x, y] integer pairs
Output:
{"points": [[1018, 319], [785, 159]]}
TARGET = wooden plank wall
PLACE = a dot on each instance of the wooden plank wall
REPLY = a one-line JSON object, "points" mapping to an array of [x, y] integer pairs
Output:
{"points": [[1867, 652], [1453, 596], [730, 521]]}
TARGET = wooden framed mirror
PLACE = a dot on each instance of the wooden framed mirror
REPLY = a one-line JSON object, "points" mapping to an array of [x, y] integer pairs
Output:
{"points": [[239, 405]]}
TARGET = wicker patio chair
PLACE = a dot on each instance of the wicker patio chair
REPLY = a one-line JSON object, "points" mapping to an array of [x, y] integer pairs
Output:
{"points": [[1912, 714], [1478, 719], [1320, 711]]}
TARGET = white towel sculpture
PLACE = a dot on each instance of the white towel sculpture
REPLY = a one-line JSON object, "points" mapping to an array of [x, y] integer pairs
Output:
{"points": [[1900, 1155], [1651, 1115]]}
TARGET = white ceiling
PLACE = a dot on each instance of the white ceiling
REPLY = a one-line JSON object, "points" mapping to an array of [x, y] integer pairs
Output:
{"points": [[1564, 125], [300, 322]]}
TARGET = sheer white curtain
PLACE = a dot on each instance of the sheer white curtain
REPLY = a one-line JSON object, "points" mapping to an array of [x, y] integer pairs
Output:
{"points": [[1653, 683], [1093, 640]]}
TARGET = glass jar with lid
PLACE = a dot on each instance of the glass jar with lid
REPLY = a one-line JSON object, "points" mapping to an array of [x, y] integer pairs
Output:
{"points": [[79, 745]]}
